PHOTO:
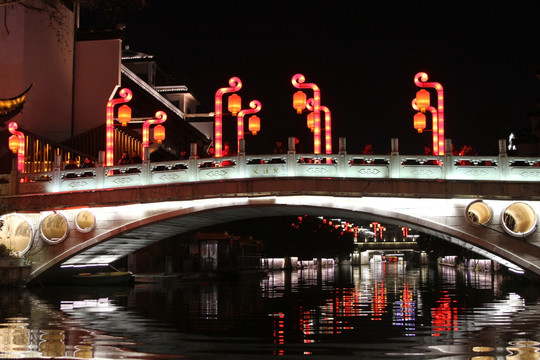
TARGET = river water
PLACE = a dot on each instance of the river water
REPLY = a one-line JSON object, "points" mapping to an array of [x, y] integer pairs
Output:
{"points": [[377, 311]]}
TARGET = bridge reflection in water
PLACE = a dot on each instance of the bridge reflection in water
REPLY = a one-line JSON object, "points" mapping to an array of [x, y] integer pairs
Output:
{"points": [[384, 310]]}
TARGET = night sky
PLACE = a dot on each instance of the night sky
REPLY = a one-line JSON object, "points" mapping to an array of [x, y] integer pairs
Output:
{"points": [[363, 57]]}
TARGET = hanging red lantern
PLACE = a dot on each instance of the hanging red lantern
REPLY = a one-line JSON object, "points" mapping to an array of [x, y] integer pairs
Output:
{"points": [[299, 101], [159, 133], [254, 124], [235, 104], [422, 100], [14, 144], [124, 114], [310, 121], [419, 122]]}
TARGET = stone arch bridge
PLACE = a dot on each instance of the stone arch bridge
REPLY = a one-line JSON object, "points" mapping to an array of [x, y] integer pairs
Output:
{"points": [[496, 219]]}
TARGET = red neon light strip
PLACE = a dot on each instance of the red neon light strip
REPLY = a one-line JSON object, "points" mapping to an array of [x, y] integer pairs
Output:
{"points": [[235, 85], [125, 96]]}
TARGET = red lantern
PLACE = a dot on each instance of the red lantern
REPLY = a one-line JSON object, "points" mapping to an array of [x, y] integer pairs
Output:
{"points": [[124, 114], [14, 144], [254, 124], [310, 121], [422, 100], [235, 104], [299, 101], [419, 122], [159, 133]]}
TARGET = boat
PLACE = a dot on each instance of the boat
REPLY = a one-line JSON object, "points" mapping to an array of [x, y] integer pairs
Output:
{"points": [[103, 278]]}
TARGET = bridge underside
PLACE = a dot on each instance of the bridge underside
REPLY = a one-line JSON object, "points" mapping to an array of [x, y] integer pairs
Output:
{"points": [[128, 219], [122, 230]]}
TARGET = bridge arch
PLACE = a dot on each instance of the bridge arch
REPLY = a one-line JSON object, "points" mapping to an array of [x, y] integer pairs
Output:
{"points": [[120, 230]]}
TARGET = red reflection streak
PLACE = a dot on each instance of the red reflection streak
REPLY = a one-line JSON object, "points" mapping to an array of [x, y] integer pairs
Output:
{"points": [[444, 316], [279, 332], [378, 302]]}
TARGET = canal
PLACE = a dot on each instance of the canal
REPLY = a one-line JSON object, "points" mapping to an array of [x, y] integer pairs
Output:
{"points": [[377, 311]]}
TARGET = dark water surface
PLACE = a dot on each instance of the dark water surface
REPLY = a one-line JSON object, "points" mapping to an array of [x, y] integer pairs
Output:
{"points": [[378, 311]]}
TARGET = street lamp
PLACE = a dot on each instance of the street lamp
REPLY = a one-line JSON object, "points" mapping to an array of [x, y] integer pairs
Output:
{"points": [[235, 85], [160, 118], [125, 96], [17, 144], [422, 103], [298, 82], [253, 126], [327, 124]]}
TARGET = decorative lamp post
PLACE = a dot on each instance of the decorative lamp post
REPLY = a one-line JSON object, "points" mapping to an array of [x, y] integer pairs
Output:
{"points": [[235, 85], [298, 82], [159, 134], [17, 144], [255, 106], [420, 79], [327, 124], [125, 96]]}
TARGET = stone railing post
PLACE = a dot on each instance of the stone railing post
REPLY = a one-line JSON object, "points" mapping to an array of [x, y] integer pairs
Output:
{"points": [[241, 162], [56, 179], [448, 162], [100, 170], [193, 172], [504, 164], [14, 177], [145, 168], [291, 157], [395, 163], [342, 159]]}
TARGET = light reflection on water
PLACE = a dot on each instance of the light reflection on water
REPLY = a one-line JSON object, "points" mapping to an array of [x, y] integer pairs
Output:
{"points": [[385, 310]]}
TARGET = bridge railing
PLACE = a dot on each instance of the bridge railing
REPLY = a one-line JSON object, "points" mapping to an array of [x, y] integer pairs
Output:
{"points": [[341, 165]]}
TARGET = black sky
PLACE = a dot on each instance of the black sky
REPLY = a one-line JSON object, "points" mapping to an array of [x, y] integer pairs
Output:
{"points": [[363, 56]]}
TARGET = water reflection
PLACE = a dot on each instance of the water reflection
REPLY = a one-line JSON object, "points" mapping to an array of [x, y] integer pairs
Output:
{"points": [[382, 310]]}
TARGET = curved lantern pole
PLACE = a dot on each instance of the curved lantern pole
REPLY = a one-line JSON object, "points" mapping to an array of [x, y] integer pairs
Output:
{"points": [[235, 85], [420, 79], [125, 96], [18, 136], [160, 118], [435, 133], [255, 106], [327, 125], [298, 82]]}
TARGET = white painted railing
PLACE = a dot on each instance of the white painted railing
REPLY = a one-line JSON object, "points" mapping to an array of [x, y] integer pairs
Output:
{"points": [[342, 165]]}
